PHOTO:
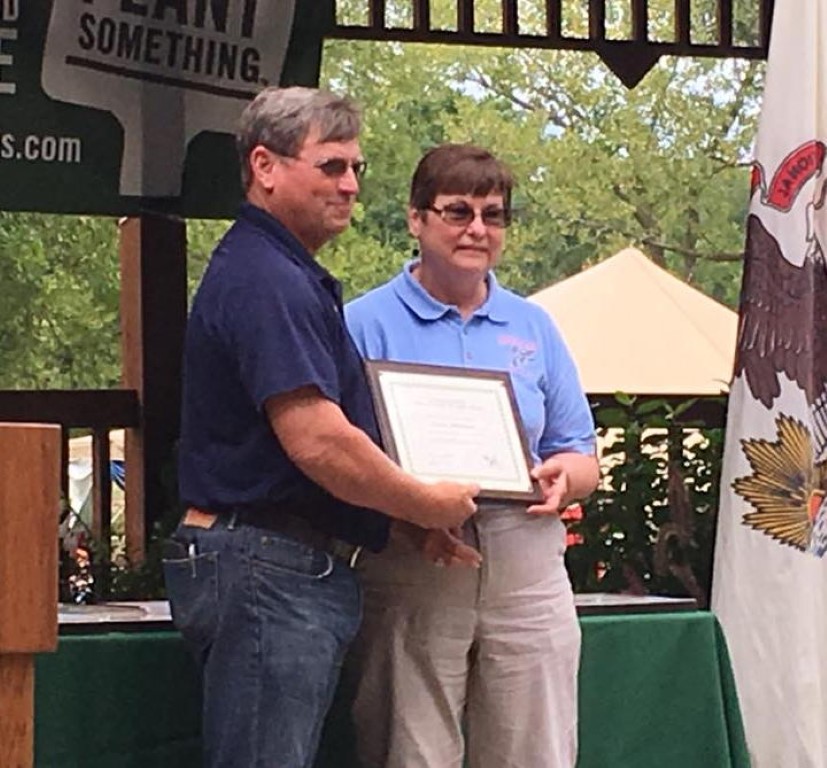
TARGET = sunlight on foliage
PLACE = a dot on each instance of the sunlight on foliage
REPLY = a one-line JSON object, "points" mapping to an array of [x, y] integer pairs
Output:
{"points": [[663, 167]]}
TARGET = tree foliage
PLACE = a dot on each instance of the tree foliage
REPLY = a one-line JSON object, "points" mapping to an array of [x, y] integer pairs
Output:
{"points": [[662, 167], [59, 313], [649, 527]]}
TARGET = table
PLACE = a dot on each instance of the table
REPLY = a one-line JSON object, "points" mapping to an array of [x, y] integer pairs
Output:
{"points": [[656, 690]]}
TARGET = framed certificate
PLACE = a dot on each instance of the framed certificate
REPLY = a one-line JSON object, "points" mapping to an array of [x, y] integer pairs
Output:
{"points": [[460, 424]]}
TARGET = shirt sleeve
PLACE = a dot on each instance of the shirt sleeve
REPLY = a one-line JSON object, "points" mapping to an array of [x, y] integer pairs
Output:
{"points": [[354, 320], [362, 317], [569, 425], [281, 335]]}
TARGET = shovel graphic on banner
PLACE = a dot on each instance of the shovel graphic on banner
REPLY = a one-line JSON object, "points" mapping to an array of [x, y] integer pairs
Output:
{"points": [[166, 69]]}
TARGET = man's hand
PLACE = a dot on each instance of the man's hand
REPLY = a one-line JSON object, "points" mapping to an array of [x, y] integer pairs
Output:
{"points": [[449, 505], [554, 482], [444, 546], [441, 546]]}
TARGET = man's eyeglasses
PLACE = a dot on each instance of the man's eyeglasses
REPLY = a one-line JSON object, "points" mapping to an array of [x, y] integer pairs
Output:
{"points": [[461, 215], [335, 167]]}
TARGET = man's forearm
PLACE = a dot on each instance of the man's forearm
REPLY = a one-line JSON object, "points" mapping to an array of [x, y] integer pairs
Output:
{"points": [[320, 440], [350, 466]]}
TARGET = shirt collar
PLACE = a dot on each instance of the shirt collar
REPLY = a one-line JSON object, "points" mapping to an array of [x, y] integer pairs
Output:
{"points": [[290, 245], [426, 307]]}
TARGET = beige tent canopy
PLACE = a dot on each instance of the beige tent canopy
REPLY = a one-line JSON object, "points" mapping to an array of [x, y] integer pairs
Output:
{"points": [[80, 448], [633, 327]]}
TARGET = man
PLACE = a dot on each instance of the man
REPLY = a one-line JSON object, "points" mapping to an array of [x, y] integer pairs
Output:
{"points": [[279, 464]]}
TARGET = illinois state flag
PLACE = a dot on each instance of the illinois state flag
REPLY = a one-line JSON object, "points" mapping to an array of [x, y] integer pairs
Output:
{"points": [[770, 573]]}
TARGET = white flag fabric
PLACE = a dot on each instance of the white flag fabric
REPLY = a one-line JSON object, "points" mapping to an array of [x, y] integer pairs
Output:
{"points": [[770, 571]]}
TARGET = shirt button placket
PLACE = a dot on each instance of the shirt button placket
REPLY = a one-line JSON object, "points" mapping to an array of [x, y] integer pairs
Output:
{"points": [[467, 357]]}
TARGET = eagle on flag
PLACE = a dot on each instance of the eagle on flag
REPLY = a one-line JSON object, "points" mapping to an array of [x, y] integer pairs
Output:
{"points": [[783, 329]]}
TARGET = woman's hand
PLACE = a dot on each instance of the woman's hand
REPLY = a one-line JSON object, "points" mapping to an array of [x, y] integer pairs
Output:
{"points": [[564, 478], [554, 482]]}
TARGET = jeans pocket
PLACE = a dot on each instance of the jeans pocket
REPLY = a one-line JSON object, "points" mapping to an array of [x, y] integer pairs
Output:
{"points": [[290, 558], [192, 589]]}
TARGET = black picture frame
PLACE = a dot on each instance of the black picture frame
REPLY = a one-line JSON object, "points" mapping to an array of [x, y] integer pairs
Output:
{"points": [[529, 492]]}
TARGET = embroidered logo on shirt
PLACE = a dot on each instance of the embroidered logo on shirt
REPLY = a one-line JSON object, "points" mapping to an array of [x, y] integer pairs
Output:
{"points": [[523, 351]]}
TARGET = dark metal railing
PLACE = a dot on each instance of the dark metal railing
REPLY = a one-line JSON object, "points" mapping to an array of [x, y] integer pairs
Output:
{"points": [[708, 29], [97, 411], [100, 411]]}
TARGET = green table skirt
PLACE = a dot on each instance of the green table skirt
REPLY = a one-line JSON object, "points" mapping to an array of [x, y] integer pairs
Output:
{"points": [[656, 691]]}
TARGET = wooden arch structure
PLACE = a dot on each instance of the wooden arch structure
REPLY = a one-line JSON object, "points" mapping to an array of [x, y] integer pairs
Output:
{"points": [[153, 301], [153, 247], [741, 28]]}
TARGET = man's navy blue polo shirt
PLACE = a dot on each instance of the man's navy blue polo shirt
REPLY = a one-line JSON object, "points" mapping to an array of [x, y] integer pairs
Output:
{"points": [[266, 320]]}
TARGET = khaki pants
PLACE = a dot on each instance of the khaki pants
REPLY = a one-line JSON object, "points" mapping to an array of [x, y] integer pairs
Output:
{"points": [[492, 653]]}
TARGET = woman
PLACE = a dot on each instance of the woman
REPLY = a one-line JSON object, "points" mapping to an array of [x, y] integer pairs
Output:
{"points": [[488, 653]]}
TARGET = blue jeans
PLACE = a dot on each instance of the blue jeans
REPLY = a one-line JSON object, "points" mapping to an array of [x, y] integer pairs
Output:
{"points": [[269, 620]]}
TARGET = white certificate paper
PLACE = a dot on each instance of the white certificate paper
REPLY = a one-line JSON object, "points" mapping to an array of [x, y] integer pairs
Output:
{"points": [[444, 423]]}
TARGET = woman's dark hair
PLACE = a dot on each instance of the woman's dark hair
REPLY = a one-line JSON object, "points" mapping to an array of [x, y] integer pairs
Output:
{"points": [[459, 169]]}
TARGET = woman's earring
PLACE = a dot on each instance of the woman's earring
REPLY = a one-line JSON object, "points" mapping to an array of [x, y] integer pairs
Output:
{"points": [[415, 252]]}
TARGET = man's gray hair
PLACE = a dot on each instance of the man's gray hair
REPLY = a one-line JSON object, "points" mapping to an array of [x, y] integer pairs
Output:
{"points": [[281, 118]]}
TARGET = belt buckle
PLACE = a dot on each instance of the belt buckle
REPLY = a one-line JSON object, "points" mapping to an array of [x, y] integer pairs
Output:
{"points": [[345, 551], [354, 556]]}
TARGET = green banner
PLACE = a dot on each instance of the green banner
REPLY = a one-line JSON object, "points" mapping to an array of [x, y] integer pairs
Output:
{"points": [[123, 106]]}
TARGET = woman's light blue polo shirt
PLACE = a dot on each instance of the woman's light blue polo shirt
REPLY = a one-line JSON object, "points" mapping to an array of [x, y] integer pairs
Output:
{"points": [[401, 321]]}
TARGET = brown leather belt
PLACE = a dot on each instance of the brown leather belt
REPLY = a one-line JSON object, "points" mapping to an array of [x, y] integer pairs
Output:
{"points": [[292, 526]]}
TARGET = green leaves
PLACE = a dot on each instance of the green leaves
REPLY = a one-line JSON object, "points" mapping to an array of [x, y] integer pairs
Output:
{"points": [[648, 455], [59, 315], [662, 167]]}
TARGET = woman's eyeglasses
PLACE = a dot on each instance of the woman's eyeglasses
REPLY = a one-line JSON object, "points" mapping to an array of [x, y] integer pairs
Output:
{"points": [[462, 214]]}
